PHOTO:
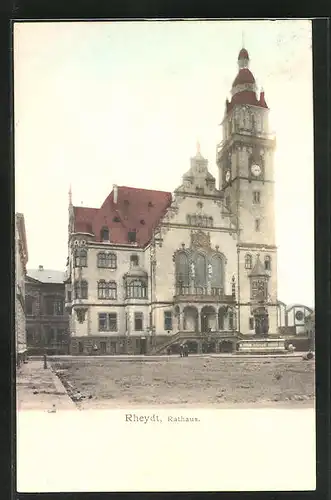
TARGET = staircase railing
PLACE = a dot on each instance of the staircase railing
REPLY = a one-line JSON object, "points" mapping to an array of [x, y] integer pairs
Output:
{"points": [[167, 343]]}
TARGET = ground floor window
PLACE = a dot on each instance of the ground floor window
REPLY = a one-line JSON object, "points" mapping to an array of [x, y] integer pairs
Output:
{"points": [[138, 321], [108, 322], [80, 347], [251, 323], [167, 320]]}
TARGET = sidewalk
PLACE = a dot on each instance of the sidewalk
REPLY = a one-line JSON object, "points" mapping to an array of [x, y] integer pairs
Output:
{"points": [[40, 389]]}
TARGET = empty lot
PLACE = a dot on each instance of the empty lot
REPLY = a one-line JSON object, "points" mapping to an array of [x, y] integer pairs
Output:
{"points": [[170, 382]]}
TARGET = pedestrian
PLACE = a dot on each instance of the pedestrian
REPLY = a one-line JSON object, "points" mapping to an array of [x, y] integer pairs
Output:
{"points": [[168, 351], [181, 350], [186, 350]]}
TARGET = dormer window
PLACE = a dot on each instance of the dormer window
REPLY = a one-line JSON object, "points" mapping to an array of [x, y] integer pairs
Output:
{"points": [[132, 237], [116, 219], [104, 234], [150, 204], [142, 222]]}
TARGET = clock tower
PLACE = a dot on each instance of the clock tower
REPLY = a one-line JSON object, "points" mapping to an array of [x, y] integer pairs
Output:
{"points": [[246, 177]]}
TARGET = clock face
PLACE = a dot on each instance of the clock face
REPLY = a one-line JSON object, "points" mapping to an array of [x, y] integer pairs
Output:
{"points": [[256, 170], [227, 176]]}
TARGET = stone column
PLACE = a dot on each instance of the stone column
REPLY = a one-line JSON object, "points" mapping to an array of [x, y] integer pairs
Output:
{"points": [[217, 326], [181, 320], [199, 320], [199, 346]]}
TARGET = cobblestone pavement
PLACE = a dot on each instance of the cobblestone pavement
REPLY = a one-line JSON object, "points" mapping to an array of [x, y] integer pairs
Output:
{"points": [[38, 388]]}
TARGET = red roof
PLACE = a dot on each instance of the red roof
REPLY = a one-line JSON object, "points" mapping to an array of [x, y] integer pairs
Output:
{"points": [[136, 209], [244, 76], [243, 54], [246, 97]]}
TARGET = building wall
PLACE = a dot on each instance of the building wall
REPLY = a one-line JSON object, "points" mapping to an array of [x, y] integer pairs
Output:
{"points": [[20, 262], [40, 325]]}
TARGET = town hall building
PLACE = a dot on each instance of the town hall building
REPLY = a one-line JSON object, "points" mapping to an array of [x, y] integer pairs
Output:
{"points": [[149, 270]]}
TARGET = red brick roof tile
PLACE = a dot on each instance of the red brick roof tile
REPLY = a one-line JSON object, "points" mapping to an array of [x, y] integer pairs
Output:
{"points": [[136, 209], [244, 76]]}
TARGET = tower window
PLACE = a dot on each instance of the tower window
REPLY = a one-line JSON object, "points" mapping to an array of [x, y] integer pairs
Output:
{"points": [[228, 201], [256, 197], [248, 261], [257, 224], [267, 263]]}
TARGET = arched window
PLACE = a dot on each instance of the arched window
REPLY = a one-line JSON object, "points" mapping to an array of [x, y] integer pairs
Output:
{"points": [[267, 263], [248, 261], [107, 260], [102, 290], [112, 287], [217, 272], [182, 269], [200, 270], [136, 289], [102, 259], [231, 317], [107, 290], [81, 289], [221, 315], [112, 260], [80, 257]]}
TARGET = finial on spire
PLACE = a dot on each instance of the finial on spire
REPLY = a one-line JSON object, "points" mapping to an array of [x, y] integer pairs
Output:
{"points": [[198, 148], [70, 195], [242, 39]]}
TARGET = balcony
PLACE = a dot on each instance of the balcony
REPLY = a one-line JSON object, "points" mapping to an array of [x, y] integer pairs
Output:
{"points": [[201, 294]]}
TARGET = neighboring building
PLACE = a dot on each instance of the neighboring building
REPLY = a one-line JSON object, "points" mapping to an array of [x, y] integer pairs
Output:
{"points": [[21, 259], [296, 316], [294, 324], [47, 321], [310, 330], [148, 270]]}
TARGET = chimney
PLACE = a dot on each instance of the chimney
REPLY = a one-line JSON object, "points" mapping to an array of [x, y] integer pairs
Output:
{"points": [[115, 193], [41, 268]]}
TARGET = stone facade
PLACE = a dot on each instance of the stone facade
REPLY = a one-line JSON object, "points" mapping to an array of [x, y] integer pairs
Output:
{"points": [[21, 258], [207, 272], [47, 321]]}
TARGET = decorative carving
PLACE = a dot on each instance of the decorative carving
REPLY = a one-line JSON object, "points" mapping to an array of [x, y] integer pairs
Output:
{"points": [[81, 313], [200, 239]]}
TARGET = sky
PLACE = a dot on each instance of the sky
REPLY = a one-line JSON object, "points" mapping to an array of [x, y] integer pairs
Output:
{"points": [[103, 103]]}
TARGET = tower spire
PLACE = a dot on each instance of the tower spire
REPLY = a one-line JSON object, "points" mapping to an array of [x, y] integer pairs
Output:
{"points": [[198, 148], [242, 39], [70, 195]]}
